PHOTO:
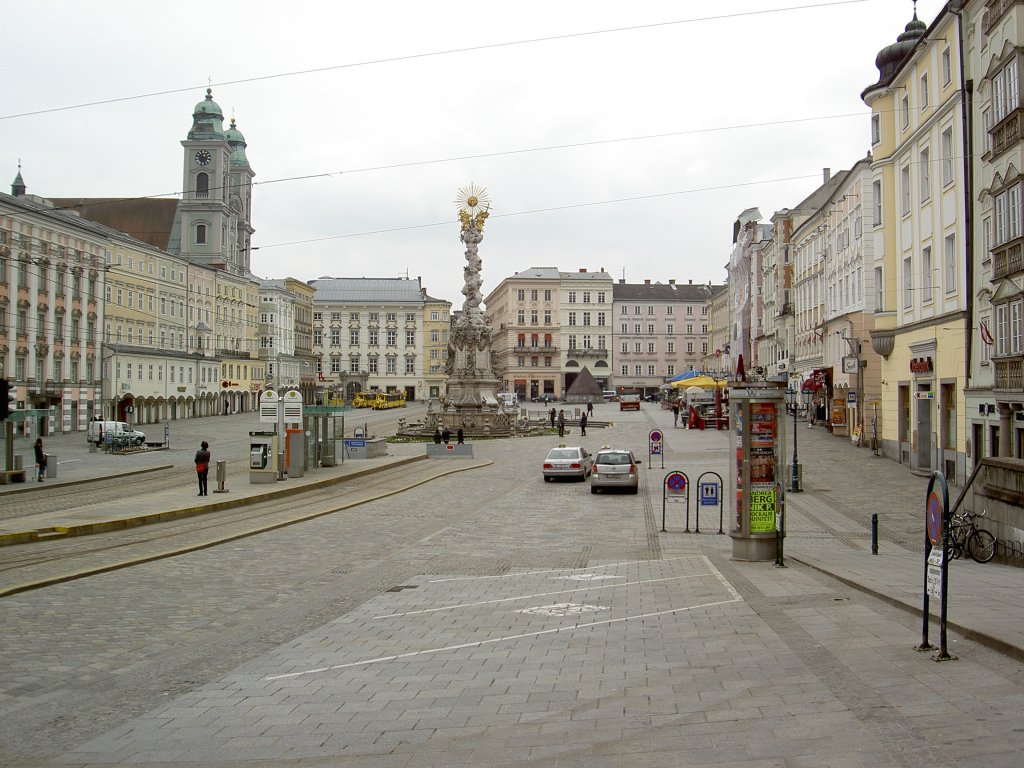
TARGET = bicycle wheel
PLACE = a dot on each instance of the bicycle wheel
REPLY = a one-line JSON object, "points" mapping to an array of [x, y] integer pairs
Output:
{"points": [[981, 546]]}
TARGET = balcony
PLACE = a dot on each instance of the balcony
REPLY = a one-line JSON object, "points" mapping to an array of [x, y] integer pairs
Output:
{"points": [[588, 352], [1006, 134], [1008, 258], [1010, 373], [536, 350]]}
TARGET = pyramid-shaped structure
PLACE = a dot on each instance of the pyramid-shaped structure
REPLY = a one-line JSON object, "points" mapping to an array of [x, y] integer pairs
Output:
{"points": [[584, 389]]}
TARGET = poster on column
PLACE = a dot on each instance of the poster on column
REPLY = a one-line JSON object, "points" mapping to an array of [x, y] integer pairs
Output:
{"points": [[763, 434]]}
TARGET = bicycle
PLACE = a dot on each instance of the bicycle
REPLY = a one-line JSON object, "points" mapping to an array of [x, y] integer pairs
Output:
{"points": [[965, 537]]}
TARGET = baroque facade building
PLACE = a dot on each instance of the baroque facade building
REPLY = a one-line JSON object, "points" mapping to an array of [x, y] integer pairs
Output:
{"points": [[52, 270], [524, 313], [368, 335], [920, 240], [992, 40], [661, 331]]}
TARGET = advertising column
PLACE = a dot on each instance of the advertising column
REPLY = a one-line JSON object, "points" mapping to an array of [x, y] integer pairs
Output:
{"points": [[757, 441]]}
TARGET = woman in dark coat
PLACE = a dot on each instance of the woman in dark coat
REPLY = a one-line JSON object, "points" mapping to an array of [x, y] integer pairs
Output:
{"points": [[40, 460], [203, 466]]}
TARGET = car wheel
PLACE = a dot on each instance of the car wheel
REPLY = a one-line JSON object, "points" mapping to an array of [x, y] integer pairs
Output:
{"points": [[138, 441], [634, 490], [547, 479], [593, 489]]}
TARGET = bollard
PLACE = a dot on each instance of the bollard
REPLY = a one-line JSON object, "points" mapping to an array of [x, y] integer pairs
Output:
{"points": [[874, 533]]}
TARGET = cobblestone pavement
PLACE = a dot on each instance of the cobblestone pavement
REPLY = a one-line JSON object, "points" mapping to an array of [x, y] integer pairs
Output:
{"points": [[491, 619]]}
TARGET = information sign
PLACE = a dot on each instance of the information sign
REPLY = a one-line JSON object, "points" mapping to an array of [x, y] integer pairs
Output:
{"points": [[708, 494], [933, 578]]}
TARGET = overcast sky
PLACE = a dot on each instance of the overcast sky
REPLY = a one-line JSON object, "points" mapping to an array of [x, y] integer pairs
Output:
{"points": [[678, 115]]}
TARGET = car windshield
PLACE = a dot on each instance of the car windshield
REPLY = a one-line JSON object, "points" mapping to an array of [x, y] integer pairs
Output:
{"points": [[613, 458], [564, 453]]}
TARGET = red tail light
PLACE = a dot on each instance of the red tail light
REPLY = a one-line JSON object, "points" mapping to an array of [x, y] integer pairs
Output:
{"points": [[548, 466], [575, 466], [593, 470], [632, 467]]}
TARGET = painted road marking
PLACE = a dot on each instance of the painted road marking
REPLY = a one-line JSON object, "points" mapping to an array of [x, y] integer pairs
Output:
{"points": [[588, 577], [563, 609], [563, 570], [506, 638], [535, 595], [734, 598]]}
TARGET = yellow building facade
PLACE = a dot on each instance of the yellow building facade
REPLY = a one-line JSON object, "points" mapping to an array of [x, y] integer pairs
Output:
{"points": [[920, 242]]}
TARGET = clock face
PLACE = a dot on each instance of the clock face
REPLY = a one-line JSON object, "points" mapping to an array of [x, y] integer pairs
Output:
{"points": [[203, 157]]}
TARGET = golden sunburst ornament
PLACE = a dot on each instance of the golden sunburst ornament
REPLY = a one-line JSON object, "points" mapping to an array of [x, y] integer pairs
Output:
{"points": [[472, 199]]}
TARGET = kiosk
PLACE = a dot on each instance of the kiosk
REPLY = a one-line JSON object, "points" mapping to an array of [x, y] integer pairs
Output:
{"points": [[262, 452], [757, 442]]}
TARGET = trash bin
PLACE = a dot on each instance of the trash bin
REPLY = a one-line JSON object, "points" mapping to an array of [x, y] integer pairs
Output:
{"points": [[222, 474], [51, 466]]}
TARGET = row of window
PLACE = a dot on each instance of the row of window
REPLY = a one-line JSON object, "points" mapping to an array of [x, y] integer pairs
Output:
{"points": [[43, 273], [373, 336], [670, 347], [42, 327], [373, 317], [373, 365], [927, 285], [175, 374], [668, 309]]}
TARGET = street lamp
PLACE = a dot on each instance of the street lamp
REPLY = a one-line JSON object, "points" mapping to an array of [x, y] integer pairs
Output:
{"points": [[796, 407]]}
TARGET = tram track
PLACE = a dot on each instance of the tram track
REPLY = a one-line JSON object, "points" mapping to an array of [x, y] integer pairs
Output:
{"points": [[23, 569]]}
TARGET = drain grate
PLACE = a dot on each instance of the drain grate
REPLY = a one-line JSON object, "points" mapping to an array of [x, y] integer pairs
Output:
{"points": [[401, 587]]}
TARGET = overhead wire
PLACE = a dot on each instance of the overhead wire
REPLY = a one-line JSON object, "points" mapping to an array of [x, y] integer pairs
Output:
{"points": [[433, 54]]}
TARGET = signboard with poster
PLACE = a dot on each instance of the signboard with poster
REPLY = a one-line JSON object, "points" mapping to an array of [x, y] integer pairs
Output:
{"points": [[757, 443]]}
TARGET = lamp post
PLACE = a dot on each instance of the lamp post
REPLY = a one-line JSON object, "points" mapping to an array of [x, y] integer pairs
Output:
{"points": [[794, 406]]}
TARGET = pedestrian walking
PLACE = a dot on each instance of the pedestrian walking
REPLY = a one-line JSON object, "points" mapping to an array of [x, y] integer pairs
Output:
{"points": [[460, 437], [203, 466], [561, 423], [583, 425], [590, 409], [446, 435], [552, 415], [437, 436], [40, 460], [675, 414]]}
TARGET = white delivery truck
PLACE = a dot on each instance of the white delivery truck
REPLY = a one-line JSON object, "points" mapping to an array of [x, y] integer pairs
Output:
{"points": [[98, 431]]}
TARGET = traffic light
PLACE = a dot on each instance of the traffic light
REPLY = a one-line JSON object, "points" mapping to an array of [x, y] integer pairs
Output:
{"points": [[6, 399]]}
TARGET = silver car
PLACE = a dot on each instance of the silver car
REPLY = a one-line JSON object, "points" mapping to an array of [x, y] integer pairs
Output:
{"points": [[615, 469], [566, 461]]}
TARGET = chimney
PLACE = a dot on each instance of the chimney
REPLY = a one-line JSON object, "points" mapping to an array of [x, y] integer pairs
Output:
{"points": [[647, 282], [671, 281], [826, 174], [583, 270], [690, 282]]}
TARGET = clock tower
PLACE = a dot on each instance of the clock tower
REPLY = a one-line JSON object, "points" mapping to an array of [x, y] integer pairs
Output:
{"points": [[203, 231]]}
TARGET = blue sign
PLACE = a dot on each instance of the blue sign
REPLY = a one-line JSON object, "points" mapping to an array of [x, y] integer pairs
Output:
{"points": [[708, 494], [355, 443], [676, 482]]}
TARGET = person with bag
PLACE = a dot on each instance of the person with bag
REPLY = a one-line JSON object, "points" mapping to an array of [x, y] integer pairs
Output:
{"points": [[40, 460], [203, 466]]}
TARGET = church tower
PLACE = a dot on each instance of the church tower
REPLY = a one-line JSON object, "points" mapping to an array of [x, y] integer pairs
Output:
{"points": [[203, 231], [239, 201]]}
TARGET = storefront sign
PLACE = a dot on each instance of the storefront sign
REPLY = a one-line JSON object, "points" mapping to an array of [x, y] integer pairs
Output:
{"points": [[921, 365]]}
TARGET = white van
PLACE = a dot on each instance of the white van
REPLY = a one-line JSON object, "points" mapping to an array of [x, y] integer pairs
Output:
{"points": [[508, 399], [98, 430]]}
